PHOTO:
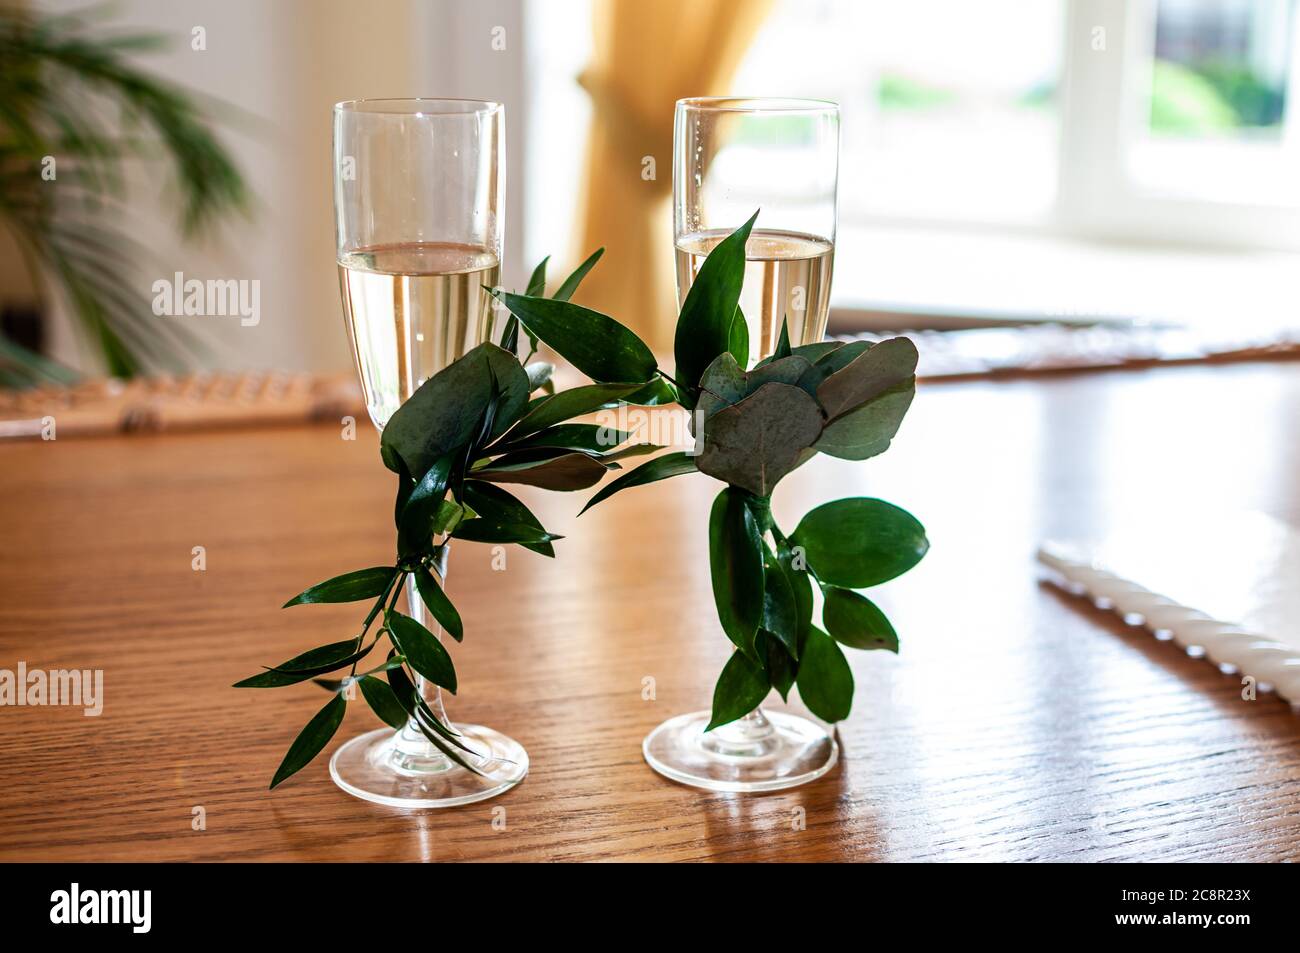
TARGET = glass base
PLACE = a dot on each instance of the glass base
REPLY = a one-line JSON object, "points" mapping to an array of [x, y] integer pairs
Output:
{"points": [[764, 751], [383, 766]]}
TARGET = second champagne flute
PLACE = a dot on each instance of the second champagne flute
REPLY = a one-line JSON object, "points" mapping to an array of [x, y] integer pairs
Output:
{"points": [[734, 156]]}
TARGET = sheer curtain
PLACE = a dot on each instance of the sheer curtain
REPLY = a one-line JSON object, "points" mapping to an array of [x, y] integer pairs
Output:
{"points": [[646, 57]]}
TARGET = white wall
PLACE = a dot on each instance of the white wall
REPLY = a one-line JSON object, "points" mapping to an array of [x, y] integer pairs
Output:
{"points": [[284, 64]]}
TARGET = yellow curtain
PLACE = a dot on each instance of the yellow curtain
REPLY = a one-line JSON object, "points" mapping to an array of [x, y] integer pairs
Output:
{"points": [[647, 55]]}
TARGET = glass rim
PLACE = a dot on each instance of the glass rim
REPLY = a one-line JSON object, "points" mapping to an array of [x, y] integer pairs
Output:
{"points": [[757, 104], [419, 106]]}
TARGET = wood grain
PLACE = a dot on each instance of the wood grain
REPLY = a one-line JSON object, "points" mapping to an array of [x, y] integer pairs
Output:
{"points": [[1016, 724]]}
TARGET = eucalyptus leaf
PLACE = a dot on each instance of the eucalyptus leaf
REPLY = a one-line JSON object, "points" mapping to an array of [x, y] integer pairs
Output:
{"points": [[349, 587], [423, 651], [854, 620], [809, 352], [312, 739], [494, 503], [660, 468], [736, 568], [704, 323], [723, 383], [570, 284], [825, 680], [440, 607], [741, 688], [867, 431], [868, 375], [859, 542], [756, 442], [594, 343], [382, 701]]}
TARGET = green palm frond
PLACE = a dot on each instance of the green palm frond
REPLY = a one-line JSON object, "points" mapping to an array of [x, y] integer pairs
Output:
{"points": [[77, 98]]}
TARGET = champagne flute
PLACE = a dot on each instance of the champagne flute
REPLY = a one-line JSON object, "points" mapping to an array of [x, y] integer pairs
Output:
{"points": [[731, 157], [419, 199]]}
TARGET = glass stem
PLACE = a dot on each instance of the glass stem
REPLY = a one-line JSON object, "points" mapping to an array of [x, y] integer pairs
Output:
{"points": [[411, 740]]}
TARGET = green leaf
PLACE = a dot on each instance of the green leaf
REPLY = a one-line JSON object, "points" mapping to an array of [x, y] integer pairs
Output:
{"points": [[439, 735], [539, 373], [738, 339], [569, 471], [704, 324], [723, 383], [317, 661], [423, 651], [801, 587], [510, 336], [859, 542], [783, 343], [312, 739], [837, 357], [492, 502], [780, 610], [489, 531], [446, 412], [537, 282], [660, 468], [349, 587], [405, 487], [756, 442], [594, 343], [383, 701], [415, 531], [440, 607], [854, 620], [449, 514], [570, 284], [868, 375], [589, 438], [780, 667], [657, 393], [741, 688], [868, 430], [825, 680], [736, 568], [575, 402]]}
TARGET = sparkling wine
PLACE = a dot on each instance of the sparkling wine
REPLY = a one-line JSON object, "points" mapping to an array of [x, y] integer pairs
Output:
{"points": [[411, 310], [787, 275]]}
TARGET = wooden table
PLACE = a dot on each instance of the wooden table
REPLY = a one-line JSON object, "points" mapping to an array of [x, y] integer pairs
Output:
{"points": [[1017, 723]]}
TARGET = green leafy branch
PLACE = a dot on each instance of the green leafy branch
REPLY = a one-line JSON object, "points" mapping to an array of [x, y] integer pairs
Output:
{"points": [[753, 426], [484, 421]]}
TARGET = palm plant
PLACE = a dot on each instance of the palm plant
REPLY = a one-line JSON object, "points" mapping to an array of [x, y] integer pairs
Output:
{"points": [[74, 114]]}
